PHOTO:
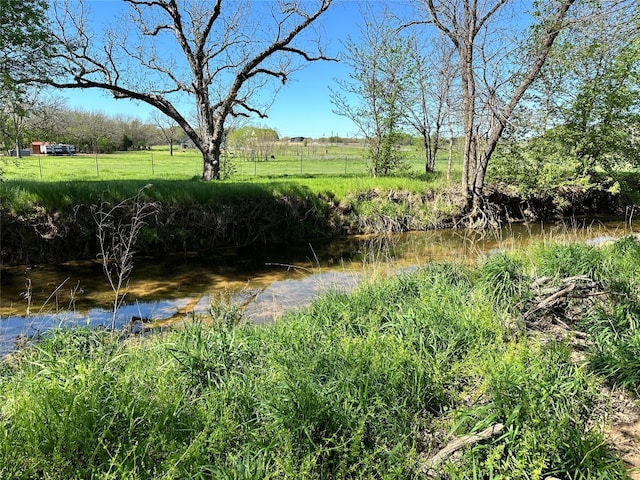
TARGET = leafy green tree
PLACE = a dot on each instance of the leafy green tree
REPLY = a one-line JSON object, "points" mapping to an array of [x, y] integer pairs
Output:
{"points": [[583, 115], [602, 121], [16, 108], [252, 143], [25, 40], [25, 46]]}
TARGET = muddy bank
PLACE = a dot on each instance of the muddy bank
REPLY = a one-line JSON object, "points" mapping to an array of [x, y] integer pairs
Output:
{"points": [[564, 202], [42, 236]]}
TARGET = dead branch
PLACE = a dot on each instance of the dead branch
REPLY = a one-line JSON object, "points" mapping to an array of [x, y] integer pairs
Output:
{"points": [[554, 299], [456, 444]]}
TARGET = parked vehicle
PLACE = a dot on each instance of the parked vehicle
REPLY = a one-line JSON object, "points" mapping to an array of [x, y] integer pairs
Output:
{"points": [[58, 149]]}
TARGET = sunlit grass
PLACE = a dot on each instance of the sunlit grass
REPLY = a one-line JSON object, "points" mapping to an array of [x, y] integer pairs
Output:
{"points": [[69, 181], [298, 162]]}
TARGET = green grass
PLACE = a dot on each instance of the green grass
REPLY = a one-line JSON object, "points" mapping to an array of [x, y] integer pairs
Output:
{"points": [[69, 181], [289, 161], [361, 385]]}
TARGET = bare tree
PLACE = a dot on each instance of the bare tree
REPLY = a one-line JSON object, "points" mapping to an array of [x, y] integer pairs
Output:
{"points": [[222, 56], [169, 128], [49, 119], [469, 26], [432, 81]]}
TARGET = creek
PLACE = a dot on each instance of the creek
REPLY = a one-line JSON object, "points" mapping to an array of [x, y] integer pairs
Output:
{"points": [[263, 280]]}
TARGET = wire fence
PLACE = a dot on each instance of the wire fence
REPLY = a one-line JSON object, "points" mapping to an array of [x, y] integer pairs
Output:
{"points": [[185, 164]]}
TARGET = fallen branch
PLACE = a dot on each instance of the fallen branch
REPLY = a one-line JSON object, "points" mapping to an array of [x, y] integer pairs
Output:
{"points": [[458, 443], [571, 287]]}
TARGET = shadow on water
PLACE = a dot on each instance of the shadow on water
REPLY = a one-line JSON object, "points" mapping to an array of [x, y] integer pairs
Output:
{"points": [[264, 281]]}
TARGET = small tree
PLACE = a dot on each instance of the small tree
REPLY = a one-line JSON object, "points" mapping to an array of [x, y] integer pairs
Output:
{"points": [[374, 97], [598, 109], [171, 131], [430, 87], [253, 144], [14, 113]]}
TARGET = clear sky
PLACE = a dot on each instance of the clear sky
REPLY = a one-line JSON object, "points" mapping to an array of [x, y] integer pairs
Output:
{"points": [[301, 108]]}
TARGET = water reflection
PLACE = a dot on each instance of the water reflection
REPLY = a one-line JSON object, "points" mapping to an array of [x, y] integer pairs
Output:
{"points": [[263, 280]]}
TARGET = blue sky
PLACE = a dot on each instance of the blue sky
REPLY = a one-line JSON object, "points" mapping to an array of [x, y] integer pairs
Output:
{"points": [[301, 108]]}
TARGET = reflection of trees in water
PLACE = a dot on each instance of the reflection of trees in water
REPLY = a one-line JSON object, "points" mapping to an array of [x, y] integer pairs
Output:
{"points": [[231, 270]]}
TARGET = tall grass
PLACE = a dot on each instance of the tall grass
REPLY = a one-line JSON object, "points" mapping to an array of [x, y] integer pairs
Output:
{"points": [[369, 385]]}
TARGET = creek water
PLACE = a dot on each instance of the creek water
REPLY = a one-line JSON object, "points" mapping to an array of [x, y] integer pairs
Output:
{"points": [[263, 281]]}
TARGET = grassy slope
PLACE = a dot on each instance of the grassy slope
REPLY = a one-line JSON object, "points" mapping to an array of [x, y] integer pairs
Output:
{"points": [[367, 385], [68, 180]]}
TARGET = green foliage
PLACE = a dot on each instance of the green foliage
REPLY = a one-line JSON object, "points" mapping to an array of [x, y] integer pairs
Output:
{"points": [[615, 324], [252, 144], [349, 387], [570, 260], [617, 358], [613, 320], [602, 121], [378, 90], [544, 402], [587, 115], [538, 164], [503, 278], [25, 40]]}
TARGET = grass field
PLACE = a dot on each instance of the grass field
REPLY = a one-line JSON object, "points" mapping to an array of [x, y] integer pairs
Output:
{"points": [[334, 170], [289, 161]]}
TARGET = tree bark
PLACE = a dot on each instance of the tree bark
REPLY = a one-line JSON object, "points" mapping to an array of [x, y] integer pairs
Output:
{"points": [[501, 118], [211, 157]]}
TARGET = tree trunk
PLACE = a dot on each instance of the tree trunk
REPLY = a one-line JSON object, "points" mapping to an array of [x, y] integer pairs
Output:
{"points": [[500, 118], [211, 158], [468, 117], [435, 148], [211, 170], [450, 158], [428, 159]]}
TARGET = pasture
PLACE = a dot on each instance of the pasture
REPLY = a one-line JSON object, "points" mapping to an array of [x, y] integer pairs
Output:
{"points": [[59, 182], [284, 160]]}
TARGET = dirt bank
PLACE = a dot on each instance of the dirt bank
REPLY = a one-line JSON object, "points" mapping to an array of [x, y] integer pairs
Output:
{"points": [[43, 236]]}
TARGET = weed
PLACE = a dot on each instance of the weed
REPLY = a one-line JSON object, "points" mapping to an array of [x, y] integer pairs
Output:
{"points": [[563, 261], [502, 277], [117, 237]]}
